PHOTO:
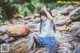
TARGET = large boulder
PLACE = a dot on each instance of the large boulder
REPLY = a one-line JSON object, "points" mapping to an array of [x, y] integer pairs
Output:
{"points": [[17, 30], [75, 14], [67, 10]]}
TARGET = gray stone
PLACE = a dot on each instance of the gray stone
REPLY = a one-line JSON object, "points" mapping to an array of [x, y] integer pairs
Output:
{"points": [[75, 14], [63, 22], [77, 49], [67, 10], [77, 33], [74, 26], [65, 48]]}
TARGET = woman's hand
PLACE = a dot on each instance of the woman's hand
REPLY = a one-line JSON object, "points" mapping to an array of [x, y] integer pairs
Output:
{"points": [[47, 13], [43, 8]]}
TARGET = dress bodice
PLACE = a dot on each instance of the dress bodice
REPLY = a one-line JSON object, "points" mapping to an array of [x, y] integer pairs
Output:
{"points": [[47, 27]]}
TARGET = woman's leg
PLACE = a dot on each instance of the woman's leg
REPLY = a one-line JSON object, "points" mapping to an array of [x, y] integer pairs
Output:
{"points": [[31, 41]]}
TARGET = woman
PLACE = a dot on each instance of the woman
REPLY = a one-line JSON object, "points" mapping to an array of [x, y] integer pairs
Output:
{"points": [[46, 35]]}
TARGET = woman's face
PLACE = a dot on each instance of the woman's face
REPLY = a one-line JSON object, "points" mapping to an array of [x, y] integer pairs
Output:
{"points": [[43, 17]]}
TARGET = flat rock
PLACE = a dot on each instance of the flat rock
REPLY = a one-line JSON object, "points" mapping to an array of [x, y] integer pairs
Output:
{"points": [[17, 30]]}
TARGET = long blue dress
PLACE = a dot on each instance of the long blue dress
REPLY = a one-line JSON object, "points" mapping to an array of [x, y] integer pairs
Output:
{"points": [[46, 39]]}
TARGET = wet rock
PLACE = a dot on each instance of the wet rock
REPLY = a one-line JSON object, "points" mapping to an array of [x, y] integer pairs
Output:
{"points": [[75, 14], [17, 30]]}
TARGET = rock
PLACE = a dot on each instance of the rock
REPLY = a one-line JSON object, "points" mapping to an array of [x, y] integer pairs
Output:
{"points": [[65, 28], [36, 15], [54, 12], [74, 44], [77, 49], [59, 17], [36, 20], [3, 28], [63, 22], [65, 48], [60, 23], [75, 14], [9, 40], [4, 37], [19, 46], [67, 10], [1, 33], [1, 39], [33, 26], [77, 33], [74, 26], [17, 30]]}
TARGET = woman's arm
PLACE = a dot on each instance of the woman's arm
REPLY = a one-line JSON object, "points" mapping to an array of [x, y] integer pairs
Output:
{"points": [[47, 13], [49, 16]]}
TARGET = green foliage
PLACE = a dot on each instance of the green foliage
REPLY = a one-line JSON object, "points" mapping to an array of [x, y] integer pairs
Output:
{"points": [[12, 9], [1, 17], [20, 8]]}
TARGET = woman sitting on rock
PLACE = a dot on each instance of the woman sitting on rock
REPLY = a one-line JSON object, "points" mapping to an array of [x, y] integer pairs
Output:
{"points": [[45, 37]]}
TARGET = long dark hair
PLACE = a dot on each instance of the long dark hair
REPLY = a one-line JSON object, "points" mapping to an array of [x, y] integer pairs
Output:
{"points": [[41, 13]]}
